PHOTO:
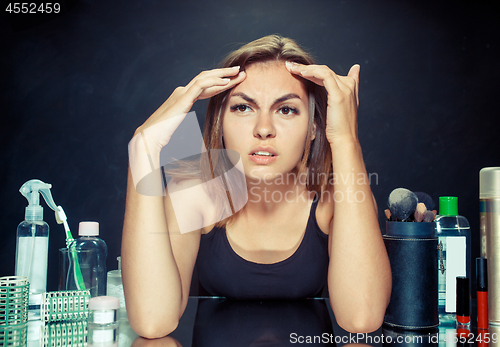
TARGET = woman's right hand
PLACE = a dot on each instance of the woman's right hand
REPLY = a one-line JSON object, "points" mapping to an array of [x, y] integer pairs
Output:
{"points": [[203, 86], [155, 133]]}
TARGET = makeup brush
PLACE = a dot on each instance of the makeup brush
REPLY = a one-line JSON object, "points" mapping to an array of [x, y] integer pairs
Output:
{"points": [[420, 212], [426, 199], [388, 214], [428, 216], [402, 203]]}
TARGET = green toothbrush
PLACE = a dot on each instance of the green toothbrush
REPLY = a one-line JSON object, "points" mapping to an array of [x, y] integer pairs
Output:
{"points": [[62, 219]]}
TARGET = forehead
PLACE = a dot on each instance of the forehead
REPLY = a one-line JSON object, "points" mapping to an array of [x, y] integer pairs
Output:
{"points": [[271, 80]]}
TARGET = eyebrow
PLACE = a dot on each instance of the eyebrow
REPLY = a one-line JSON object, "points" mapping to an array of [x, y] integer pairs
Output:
{"points": [[277, 101]]}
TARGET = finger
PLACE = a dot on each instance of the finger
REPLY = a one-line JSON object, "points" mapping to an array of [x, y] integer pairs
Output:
{"points": [[221, 73], [225, 71], [293, 66], [296, 68], [303, 71], [233, 81], [321, 75], [354, 73], [205, 88], [333, 83]]}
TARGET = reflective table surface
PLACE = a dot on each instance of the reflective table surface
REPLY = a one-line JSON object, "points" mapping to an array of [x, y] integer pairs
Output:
{"points": [[213, 321]]}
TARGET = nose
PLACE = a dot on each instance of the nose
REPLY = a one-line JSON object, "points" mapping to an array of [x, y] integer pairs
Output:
{"points": [[264, 128]]}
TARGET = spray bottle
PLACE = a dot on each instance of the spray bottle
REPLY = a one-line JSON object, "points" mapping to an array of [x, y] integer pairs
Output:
{"points": [[33, 242]]}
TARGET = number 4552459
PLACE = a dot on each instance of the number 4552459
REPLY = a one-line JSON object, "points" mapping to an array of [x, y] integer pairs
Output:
{"points": [[30, 7]]}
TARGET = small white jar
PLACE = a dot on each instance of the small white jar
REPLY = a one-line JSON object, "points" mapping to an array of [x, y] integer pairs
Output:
{"points": [[103, 320], [104, 310]]}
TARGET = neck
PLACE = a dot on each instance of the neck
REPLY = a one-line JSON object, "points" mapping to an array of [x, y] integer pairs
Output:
{"points": [[265, 196]]}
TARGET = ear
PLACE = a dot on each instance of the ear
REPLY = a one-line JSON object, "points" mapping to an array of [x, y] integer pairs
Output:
{"points": [[313, 131]]}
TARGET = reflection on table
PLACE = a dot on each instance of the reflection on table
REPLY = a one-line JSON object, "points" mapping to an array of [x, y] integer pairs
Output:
{"points": [[212, 321]]}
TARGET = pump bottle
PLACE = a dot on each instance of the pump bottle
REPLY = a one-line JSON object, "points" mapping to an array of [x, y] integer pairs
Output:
{"points": [[454, 254]]}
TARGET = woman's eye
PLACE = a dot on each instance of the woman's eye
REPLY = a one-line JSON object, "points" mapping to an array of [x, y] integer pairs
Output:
{"points": [[285, 110], [240, 108]]}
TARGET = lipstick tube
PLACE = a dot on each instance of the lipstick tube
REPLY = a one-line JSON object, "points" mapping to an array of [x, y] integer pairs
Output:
{"points": [[482, 292], [463, 301]]}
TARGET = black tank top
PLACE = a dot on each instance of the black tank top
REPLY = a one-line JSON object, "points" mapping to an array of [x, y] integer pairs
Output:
{"points": [[222, 272]]}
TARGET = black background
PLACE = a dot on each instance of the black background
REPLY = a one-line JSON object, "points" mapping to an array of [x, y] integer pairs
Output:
{"points": [[74, 87]]}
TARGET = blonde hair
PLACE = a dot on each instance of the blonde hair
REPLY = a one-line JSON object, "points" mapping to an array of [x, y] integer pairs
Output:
{"points": [[317, 152]]}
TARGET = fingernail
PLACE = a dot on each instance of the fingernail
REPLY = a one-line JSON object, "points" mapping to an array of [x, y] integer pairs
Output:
{"points": [[226, 80], [288, 65], [236, 67]]}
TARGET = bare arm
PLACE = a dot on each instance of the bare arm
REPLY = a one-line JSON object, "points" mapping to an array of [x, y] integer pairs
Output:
{"points": [[151, 278], [359, 275], [157, 260], [359, 272]]}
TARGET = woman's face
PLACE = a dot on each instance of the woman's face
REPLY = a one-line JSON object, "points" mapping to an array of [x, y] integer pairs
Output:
{"points": [[266, 121]]}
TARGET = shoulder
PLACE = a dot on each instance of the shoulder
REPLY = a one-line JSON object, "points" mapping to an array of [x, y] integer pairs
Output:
{"points": [[325, 210], [175, 184], [189, 203]]}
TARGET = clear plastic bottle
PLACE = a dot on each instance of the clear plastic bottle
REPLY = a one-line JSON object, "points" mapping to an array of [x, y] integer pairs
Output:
{"points": [[33, 240], [91, 252], [454, 254], [32, 244]]}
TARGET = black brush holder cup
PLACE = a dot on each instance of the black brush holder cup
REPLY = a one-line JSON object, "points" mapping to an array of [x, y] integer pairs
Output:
{"points": [[412, 250]]}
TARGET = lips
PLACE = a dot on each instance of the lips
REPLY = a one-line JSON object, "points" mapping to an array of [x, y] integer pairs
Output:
{"points": [[263, 151], [263, 155]]}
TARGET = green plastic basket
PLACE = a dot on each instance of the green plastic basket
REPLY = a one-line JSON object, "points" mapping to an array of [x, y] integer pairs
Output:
{"points": [[14, 336], [14, 297], [65, 306], [60, 334]]}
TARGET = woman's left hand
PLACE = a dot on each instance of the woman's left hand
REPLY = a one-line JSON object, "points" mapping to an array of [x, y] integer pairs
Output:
{"points": [[342, 112]]}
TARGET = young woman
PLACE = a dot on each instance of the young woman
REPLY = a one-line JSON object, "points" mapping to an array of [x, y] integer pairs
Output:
{"points": [[309, 219]]}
